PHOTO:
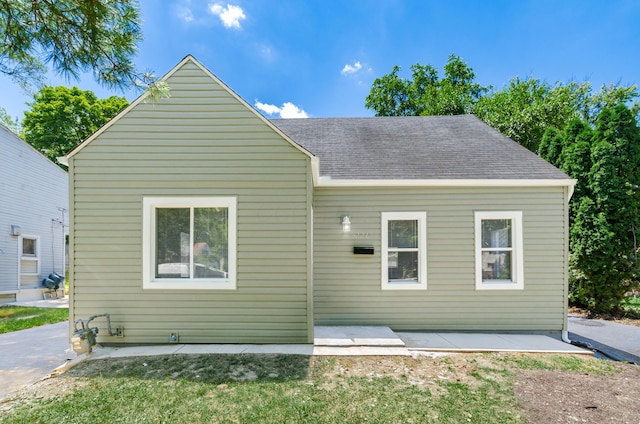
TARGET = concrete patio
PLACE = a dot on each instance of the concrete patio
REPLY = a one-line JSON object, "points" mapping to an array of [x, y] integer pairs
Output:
{"points": [[366, 340]]}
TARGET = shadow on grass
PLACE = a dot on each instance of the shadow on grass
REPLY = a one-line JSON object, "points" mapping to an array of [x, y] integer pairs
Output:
{"points": [[203, 368]]}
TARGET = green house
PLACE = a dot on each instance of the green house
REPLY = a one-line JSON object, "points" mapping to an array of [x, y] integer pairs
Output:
{"points": [[196, 215]]}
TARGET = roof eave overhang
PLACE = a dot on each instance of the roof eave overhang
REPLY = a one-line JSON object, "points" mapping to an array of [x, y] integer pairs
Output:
{"points": [[327, 182]]}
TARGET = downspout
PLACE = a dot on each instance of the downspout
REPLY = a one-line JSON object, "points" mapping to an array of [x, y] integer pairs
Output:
{"points": [[569, 193], [311, 183]]}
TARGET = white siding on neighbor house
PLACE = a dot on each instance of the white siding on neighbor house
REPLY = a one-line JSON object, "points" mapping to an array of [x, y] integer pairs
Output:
{"points": [[200, 142], [347, 287], [33, 190]]}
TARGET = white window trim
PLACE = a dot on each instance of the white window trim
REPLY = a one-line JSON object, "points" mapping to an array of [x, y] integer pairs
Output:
{"points": [[421, 217], [35, 257], [149, 204], [517, 249]]}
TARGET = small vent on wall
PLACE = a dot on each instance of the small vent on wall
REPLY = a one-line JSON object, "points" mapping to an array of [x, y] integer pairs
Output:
{"points": [[15, 230]]}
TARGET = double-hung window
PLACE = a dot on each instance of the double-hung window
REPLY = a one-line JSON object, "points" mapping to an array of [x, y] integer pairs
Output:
{"points": [[29, 255], [404, 250], [189, 243], [499, 252]]}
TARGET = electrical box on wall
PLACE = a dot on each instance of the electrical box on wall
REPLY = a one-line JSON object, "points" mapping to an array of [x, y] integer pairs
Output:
{"points": [[15, 230], [363, 250]]}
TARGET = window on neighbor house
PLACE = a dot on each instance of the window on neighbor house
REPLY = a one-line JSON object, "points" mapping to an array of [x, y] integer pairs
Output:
{"points": [[189, 243], [29, 262], [29, 246], [404, 250], [499, 251]]}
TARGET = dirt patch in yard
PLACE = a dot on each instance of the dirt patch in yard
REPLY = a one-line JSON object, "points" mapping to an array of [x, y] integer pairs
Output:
{"points": [[611, 393], [575, 397]]}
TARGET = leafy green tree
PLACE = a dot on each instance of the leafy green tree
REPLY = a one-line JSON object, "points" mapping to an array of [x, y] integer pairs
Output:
{"points": [[75, 36], [390, 95], [60, 118], [610, 95], [592, 252], [551, 146], [425, 93], [575, 160], [8, 121], [525, 109], [570, 150], [604, 234]]}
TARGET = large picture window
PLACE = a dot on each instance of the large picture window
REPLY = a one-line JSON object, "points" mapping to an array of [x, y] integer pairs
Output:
{"points": [[499, 261], [189, 243], [404, 250]]}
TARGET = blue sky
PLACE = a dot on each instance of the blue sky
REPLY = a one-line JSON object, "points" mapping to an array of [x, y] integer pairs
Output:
{"points": [[319, 58]]}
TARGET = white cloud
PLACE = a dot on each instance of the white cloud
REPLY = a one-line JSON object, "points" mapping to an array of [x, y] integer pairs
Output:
{"points": [[185, 14], [183, 9], [287, 111], [268, 109], [351, 69], [230, 15]]}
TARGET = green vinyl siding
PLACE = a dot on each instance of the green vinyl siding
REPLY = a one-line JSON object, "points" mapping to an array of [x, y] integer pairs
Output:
{"points": [[202, 141], [347, 287]]}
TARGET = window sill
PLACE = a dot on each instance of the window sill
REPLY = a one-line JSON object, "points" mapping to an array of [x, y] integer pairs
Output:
{"points": [[184, 284], [404, 285], [499, 285]]}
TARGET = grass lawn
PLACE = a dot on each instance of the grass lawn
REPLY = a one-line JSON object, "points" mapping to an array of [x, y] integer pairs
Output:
{"points": [[14, 318], [632, 303], [249, 388]]}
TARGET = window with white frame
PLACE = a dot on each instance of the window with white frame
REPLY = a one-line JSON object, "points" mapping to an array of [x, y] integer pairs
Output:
{"points": [[404, 250], [499, 250], [189, 242], [29, 255], [29, 246]]}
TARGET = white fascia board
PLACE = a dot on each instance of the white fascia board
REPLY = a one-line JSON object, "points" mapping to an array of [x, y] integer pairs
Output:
{"points": [[315, 170], [324, 182], [572, 188]]}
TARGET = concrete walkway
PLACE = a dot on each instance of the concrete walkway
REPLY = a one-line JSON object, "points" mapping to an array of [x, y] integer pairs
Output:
{"points": [[61, 302], [618, 341], [363, 341], [29, 355]]}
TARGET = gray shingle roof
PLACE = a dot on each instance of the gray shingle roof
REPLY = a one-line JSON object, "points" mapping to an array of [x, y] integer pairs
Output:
{"points": [[415, 147]]}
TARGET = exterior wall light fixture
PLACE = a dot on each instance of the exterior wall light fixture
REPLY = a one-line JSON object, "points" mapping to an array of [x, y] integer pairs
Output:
{"points": [[346, 223]]}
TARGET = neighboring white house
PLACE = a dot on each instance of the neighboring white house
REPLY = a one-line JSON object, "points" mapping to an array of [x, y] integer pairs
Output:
{"points": [[33, 219]]}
